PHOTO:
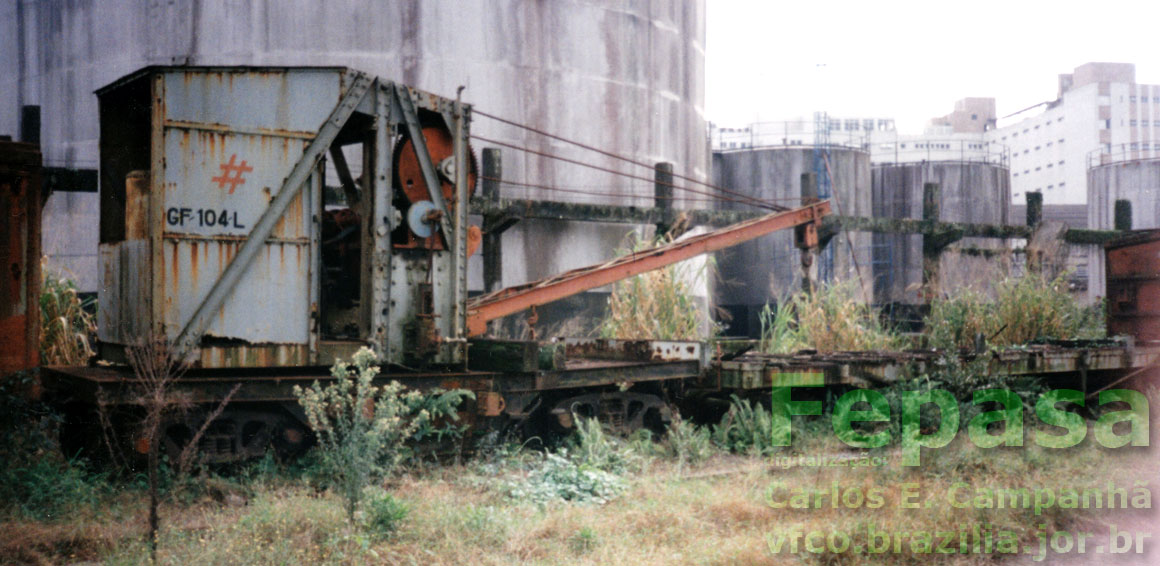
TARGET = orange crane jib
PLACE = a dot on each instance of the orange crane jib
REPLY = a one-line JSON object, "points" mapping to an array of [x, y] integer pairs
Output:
{"points": [[511, 300]]}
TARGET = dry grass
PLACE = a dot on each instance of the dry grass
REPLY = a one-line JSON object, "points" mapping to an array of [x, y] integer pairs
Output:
{"points": [[829, 319], [715, 514], [659, 304], [1024, 309], [65, 324]]}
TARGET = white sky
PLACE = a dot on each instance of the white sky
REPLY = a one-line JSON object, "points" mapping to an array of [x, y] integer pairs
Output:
{"points": [[910, 60]]}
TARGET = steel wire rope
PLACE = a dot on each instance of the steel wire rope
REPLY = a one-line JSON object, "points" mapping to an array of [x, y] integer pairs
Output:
{"points": [[620, 157], [743, 200], [603, 194]]}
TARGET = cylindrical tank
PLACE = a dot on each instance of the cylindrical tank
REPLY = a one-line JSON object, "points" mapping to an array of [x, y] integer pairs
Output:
{"points": [[1136, 181], [975, 193], [768, 269], [627, 78]]}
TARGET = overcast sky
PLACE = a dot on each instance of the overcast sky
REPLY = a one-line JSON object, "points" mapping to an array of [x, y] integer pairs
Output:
{"points": [[911, 60]]}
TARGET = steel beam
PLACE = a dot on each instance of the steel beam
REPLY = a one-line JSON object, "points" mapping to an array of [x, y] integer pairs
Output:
{"points": [[515, 299]]}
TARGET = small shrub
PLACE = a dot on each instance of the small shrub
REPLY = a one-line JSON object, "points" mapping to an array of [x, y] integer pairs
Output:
{"points": [[591, 446], [361, 428], [746, 429], [558, 478], [690, 444], [35, 480], [584, 541], [47, 488], [384, 513]]}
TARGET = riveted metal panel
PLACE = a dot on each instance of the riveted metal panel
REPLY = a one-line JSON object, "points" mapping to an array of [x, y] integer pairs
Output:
{"points": [[19, 256]]}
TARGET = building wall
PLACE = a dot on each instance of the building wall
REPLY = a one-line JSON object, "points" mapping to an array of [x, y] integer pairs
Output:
{"points": [[1101, 116], [628, 79]]}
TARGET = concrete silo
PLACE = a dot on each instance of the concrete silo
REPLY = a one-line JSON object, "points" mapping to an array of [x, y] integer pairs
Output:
{"points": [[769, 268], [970, 192], [1135, 181]]}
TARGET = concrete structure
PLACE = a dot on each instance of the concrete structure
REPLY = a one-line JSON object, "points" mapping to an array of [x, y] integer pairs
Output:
{"points": [[1137, 182], [976, 193], [769, 268], [629, 80], [1099, 115], [844, 132], [958, 136]]}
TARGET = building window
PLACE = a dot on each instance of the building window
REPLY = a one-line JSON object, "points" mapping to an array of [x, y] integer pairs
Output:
{"points": [[1132, 123], [1060, 140], [1049, 187], [1025, 130], [1061, 162], [1037, 148], [1131, 99], [1050, 165], [1015, 175], [1038, 168], [1061, 184]]}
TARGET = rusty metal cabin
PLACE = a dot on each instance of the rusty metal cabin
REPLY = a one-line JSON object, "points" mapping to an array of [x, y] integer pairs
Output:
{"points": [[1133, 285], [218, 230], [19, 256]]}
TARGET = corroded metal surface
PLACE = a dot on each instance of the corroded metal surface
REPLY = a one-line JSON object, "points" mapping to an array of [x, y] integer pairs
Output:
{"points": [[1133, 286], [875, 368], [515, 299], [19, 256]]}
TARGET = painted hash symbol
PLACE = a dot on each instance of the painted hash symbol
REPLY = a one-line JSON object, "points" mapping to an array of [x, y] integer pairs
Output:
{"points": [[232, 180]]}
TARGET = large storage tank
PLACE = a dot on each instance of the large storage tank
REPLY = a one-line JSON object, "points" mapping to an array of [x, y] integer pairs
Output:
{"points": [[627, 78], [975, 193], [1136, 181], [768, 269]]}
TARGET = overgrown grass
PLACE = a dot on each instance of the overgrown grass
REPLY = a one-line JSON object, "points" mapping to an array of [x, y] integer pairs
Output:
{"points": [[829, 319], [720, 515], [66, 323], [660, 304], [36, 480], [1024, 309]]}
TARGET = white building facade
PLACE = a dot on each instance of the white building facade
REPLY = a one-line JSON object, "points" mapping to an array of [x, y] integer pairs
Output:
{"points": [[1100, 115]]}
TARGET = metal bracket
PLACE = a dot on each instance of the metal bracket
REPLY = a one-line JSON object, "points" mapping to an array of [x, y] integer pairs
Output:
{"points": [[360, 84]]}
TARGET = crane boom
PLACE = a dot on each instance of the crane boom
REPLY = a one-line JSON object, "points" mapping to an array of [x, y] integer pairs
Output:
{"points": [[510, 300]]}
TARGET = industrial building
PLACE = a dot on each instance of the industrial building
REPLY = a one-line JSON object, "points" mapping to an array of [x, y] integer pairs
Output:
{"points": [[1099, 115], [629, 80]]}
